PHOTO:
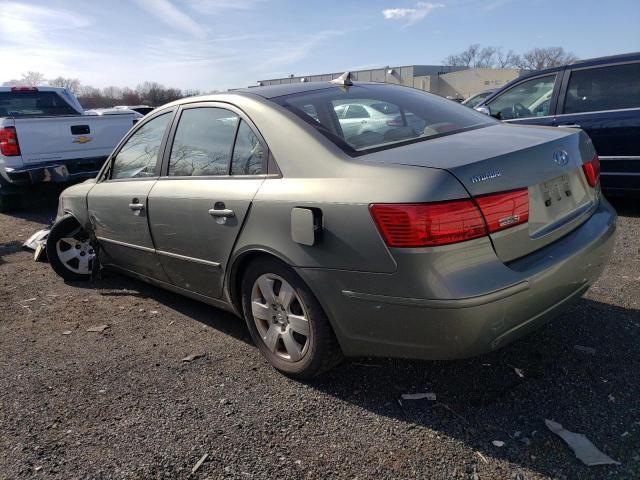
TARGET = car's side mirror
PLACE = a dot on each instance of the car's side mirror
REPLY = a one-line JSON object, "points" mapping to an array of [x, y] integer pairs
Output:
{"points": [[484, 109]]}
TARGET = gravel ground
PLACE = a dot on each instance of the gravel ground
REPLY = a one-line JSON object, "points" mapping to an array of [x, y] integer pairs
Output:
{"points": [[123, 404]]}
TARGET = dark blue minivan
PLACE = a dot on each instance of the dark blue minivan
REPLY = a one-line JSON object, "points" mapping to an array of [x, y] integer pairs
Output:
{"points": [[601, 96]]}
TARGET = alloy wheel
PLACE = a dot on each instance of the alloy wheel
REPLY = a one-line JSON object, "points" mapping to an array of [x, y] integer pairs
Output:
{"points": [[280, 317], [76, 252]]}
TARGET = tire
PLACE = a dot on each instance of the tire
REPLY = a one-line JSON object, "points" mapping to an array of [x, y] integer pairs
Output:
{"points": [[70, 251], [292, 353]]}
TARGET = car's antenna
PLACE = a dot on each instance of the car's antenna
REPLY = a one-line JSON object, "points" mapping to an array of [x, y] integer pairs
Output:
{"points": [[346, 79]]}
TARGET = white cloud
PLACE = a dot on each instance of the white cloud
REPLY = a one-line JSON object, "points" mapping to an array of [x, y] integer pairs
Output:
{"points": [[168, 13], [411, 15]]}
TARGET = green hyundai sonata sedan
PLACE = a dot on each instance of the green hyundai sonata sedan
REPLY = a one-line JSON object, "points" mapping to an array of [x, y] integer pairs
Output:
{"points": [[439, 233]]}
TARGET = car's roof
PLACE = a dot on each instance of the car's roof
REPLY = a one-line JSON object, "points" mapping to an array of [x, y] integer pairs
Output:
{"points": [[589, 62], [273, 91]]}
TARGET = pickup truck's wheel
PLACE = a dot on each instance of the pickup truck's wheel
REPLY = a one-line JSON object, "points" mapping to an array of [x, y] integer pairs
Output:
{"points": [[286, 321], [70, 251]]}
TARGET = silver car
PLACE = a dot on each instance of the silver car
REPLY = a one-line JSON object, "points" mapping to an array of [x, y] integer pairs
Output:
{"points": [[440, 243]]}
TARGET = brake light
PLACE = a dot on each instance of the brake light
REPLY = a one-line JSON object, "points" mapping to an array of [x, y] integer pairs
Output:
{"points": [[24, 89], [505, 209], [9, 142], [428, 224], [443, 223], [592, 171]]}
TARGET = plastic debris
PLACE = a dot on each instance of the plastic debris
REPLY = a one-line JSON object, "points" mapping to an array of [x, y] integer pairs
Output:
{"points": [[419, 396], [583, 349], [199, 463], [519, 372], [484, 459], [40, 237], [498, 443], [192, 357], [98, 328], [585, 451], [67, 332]]}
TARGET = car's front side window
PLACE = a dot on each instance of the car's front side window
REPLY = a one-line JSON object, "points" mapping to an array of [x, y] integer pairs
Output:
{"points": [[139, 155], [203, 142], [531, 98], [605, 88]]}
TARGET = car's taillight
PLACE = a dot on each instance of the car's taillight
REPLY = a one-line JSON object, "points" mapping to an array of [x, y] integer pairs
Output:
{"points": [[442, 223], [9, 142], [592, 171], [428, 224], [505, 209]]}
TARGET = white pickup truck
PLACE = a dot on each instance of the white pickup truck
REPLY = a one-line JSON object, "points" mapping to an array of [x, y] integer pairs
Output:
{"points": [[45, 136]]}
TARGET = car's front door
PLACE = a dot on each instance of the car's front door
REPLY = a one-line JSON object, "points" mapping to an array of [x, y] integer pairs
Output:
{"points": [[604, 101], [117, 204], [530, 102], [197, 208]]}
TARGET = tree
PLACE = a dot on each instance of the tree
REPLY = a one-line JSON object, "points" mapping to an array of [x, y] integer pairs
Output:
{"points": [[541, 58], [507, 60], [71, 84], [464, 59], [32, 78]]}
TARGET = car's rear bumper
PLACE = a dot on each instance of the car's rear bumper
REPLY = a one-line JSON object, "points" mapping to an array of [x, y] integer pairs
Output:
{"points": [[58, 171], [375, 324]]}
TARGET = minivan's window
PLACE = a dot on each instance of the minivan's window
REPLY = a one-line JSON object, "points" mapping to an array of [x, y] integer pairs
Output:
{"points": [[203, 142], [138, 157], [384, 116], [248, 153], [527, 99], [27, 103], [606, 88]]}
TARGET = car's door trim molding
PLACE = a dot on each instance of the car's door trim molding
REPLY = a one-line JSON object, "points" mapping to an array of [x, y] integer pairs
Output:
{"points": [[125, 244], [188, 259]]}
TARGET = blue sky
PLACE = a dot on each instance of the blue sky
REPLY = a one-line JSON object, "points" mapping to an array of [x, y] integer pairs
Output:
{"points": [[218, 44]]}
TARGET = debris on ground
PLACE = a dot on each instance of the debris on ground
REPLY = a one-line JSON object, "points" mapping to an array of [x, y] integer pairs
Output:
{"points": [[192, 357], [419, 396], [484, 459], [498, 443], [583, 349], [519, 372], [40, 237], [199, 463], [583, 448], [67, 332], [98, 328]]}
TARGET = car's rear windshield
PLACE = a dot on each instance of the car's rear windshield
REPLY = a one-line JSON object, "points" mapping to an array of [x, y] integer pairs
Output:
{"points": [[364, 118], [33, 103]]}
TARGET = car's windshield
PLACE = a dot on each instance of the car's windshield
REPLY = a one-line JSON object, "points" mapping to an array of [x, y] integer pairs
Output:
{"points": [[472, 102], [363, 117], [33, 103]]}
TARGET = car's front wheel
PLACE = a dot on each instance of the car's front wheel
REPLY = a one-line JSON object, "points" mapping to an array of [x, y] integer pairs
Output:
{"points": [[70, 251], [286, 321]]}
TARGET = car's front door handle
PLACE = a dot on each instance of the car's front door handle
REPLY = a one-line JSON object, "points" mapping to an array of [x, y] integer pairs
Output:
{"points": [[136, 207], [222, 212]]}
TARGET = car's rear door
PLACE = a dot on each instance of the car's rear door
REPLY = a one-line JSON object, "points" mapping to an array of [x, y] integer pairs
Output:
{"points": [[117, 204], [604, 101], [215, 165]]}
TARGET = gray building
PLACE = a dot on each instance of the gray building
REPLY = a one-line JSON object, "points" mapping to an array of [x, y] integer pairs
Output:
{"points": [[444, 80]]}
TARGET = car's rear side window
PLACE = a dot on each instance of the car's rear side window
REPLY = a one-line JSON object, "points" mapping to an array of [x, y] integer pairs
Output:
{"points": [[402, 115], [203, 142], [606, 88], [33, 103], [248, 153]]}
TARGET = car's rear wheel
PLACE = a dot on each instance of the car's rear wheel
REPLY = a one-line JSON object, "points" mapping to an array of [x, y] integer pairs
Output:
{"points": [[70, 251], [286, 321]]}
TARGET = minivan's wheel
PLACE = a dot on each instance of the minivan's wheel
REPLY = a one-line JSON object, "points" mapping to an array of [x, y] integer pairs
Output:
{"points": [[70, 251], [286, 321]]}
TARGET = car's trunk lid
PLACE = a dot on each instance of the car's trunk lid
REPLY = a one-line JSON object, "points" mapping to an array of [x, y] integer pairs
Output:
{"points": [[545, 161]]}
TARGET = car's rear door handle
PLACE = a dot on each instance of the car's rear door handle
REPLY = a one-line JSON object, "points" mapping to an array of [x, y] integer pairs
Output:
{"points": [[222, 212], [136, 207]]}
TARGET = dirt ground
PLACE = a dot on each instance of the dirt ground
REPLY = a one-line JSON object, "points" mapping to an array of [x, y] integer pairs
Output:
{"points": [[122, 404]]}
